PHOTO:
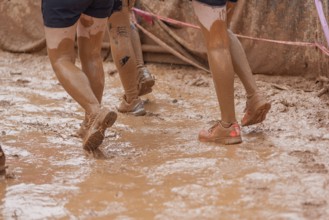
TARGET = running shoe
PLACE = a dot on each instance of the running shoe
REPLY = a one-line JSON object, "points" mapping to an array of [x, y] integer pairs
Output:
{"points": [[217, 133]]}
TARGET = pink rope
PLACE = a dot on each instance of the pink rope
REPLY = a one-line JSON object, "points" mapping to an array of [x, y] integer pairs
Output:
{"points": [[318, 5], [150, 16]]}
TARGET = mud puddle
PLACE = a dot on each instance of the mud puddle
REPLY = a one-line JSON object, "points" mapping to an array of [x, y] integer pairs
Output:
{"points": [[153, 167]]}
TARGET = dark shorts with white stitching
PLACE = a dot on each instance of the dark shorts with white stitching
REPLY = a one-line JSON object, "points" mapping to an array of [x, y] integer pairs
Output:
{"points": [[65, 13]]}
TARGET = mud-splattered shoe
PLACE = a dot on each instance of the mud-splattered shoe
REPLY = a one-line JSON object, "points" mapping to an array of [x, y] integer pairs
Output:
{"points": [[135, 107], [82, 131], [2, 162], [218, 134], [256, 109], [146, 81], [98, 125]]}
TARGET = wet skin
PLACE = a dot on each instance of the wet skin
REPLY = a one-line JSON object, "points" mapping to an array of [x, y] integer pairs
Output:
{"points": [[241, 65], [220, 62], [85, 86], [123, 52], [239, 57], [135, 40]]}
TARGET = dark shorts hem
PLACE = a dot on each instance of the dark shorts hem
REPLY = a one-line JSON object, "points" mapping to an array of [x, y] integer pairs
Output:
{"points": [[216, 2], [65, 13]]}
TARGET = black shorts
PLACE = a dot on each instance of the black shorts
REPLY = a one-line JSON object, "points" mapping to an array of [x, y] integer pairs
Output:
{"points": [[216, 2], [117, 5], [65, 13]]}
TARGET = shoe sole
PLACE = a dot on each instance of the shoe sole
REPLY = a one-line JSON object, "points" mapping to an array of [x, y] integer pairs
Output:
{"points": [[146, 87], [225, 141], [94, 139], [258, 116], [138, 112]]}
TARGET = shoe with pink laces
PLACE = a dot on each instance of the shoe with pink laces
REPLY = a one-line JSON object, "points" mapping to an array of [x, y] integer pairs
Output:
{"points": [[218, 134], [256, 109]]}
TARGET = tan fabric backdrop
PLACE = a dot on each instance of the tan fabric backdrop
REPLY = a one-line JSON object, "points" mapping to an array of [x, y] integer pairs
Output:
{"points": [[21, 31], [283, 20]]}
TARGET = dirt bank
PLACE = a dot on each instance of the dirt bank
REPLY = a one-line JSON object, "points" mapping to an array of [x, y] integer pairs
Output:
{"points": [[153, 167]]}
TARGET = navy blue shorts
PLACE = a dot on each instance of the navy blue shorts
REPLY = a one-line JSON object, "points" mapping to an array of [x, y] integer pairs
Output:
{"points": [[117, 5], [65, 13], [216, 2]]}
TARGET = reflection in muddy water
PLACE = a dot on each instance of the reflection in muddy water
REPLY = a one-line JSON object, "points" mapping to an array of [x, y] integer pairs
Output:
{"points": [[153, 167]]}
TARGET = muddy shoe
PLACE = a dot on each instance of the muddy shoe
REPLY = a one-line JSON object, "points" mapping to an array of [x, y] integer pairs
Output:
{"points": [[217, 133], [256, 109], [2, 162], [99, 123], [83, 129], [135, 107], [146, 82]]}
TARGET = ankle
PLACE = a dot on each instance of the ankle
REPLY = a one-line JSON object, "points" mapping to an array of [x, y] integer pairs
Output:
{"points": [[225, 124], [130, 99], [94, 109], [251, 94]]}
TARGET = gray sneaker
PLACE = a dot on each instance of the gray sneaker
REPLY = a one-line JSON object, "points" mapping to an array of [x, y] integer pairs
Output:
{"points": [[135, 107]]}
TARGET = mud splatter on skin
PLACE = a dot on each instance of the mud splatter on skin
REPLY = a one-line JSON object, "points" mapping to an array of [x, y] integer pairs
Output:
{"points": [[123, 53], [124, 60], [86, 21], [92, 63]]}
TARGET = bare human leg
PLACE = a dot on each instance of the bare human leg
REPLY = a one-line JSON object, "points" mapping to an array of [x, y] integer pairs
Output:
{"points": [[90, 36], [145, 78], [60, 45], [257, 106], [125, 61], [213, 25]]}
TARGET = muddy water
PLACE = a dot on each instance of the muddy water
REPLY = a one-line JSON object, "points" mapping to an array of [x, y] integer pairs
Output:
{"points": [[153, 167]]}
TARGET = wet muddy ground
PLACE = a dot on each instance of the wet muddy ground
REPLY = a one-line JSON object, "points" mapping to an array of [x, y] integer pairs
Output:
{"points": [[153, 167]]}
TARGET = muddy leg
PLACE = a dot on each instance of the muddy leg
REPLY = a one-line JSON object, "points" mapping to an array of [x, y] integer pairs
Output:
{"points": [[257, 106], [136, 43], [241, 65], [60, 46], [213, 25], [214, 29], [90, 36], [145, 79], [123, 52]]}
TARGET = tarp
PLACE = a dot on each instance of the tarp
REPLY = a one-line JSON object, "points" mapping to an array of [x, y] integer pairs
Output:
{"points": [[21, 26], [294, 21]]}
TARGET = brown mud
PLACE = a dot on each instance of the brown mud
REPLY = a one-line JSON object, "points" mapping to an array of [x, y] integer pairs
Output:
{"points": [[153, 167]]}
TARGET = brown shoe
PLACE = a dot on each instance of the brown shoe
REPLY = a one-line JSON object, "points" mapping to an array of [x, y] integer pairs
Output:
{"points": [[256, 109], [217, 133], [2, 162], [83, 129], [135, 107], [98, 125], [146, 81]]}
